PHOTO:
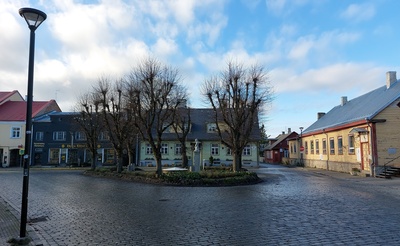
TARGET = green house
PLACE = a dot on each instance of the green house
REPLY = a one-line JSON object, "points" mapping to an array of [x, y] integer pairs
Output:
{"points": [[203, 127]]}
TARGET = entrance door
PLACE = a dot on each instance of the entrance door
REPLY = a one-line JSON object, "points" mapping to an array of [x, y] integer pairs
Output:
{"points": [[63, 156], [365, 157]]}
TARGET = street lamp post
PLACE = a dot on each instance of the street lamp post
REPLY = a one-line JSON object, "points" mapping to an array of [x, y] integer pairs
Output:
{"points": [[33, 18]]}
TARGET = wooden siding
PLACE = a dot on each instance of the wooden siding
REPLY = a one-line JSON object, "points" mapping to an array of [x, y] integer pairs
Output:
{"points": [[388, 136]]}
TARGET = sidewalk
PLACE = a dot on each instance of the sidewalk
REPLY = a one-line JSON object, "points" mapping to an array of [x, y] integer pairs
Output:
{"points": [[10, 225]]}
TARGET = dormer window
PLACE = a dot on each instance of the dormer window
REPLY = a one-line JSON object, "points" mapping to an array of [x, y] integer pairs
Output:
{"points": [[211, 127]]}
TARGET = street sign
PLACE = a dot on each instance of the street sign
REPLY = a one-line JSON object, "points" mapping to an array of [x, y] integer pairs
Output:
{"points": [[21, 151], [302, 148]]}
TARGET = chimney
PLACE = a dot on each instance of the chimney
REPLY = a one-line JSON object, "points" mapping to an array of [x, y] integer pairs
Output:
{"points": [[343, 101], [390, 78], [289, 130], [319, 115], [283, 132]]}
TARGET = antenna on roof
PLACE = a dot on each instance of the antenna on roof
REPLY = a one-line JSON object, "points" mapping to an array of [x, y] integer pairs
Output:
{"points": [[55, 97]]}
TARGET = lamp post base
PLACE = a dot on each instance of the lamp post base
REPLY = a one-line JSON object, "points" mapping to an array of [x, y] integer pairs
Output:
{"points": [[20, 241]]}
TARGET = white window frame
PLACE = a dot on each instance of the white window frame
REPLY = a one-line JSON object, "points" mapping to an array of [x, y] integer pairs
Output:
{"points": [[80, 136], [59, 136], [164, 149], [214, 149], [351, 140], [15, 132], [340, 145], [39, 136], [247, 150], [149, 149], [104, 136], [212, 127], [178, 149]]}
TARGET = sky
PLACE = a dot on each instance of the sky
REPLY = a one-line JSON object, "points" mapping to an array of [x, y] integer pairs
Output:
{"points": [[314, 51]]}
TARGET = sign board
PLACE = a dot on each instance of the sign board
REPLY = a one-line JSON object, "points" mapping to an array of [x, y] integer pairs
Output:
{"points": [[301, 148], [21, 151]]}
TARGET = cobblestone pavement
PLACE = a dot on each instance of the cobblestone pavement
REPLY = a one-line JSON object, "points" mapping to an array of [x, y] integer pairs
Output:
{"points": [[294, 206]]}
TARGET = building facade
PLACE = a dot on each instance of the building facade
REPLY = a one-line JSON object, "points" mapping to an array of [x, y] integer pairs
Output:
{"points": [[278, 149], [12, 125], [359, 134], [58, 141], [212, 151]]}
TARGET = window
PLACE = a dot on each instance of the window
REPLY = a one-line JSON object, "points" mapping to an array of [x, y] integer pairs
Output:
{"points": [[228, 151], [54, 156], [15, 132], [104, 136], [178, 149], [340, 145], [351, 144], [332, 146], [178, 127], [212, 127], [312, 146], [324, 146], [317, 146], [149, 149], [109, 156], [59, 136], [247, 150], [291, 148], [164, 149], [214, 149], [295, 148], [306, 146], [80, 136], [39, 136]]}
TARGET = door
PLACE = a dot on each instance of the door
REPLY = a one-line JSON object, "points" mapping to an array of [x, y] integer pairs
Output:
{"points": [[365, 165]]}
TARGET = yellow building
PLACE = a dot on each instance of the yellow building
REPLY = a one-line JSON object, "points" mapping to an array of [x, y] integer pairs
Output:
{"points": [[362, 134], [12, 125]]}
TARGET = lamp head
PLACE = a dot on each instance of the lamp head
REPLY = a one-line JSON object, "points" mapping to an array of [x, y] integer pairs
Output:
{"points": [[33, 17]]}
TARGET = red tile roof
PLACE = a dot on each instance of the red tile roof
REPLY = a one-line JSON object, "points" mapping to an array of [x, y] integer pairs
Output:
{"points": [[16, 111], [4, 95]]}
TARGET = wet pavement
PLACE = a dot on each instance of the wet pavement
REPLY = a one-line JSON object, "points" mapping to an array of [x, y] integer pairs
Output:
{"points": [[294, 206]]}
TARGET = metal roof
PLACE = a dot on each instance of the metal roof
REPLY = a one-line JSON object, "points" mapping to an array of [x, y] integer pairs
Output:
{"points": [[364, 107]]}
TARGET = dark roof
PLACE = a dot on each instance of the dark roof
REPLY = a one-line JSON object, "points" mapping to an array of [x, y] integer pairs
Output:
{"points": [[200, 117], [364, 107]]}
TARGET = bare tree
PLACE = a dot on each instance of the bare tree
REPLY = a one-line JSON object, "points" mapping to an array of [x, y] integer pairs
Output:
{"points": [[118, 119], [181, 126], [236, 96], [154, 93], [90, 122]]}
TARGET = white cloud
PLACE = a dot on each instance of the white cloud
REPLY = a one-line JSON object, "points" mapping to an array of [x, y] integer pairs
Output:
{"points": [[301, 48], [359, 12], [340, 77], [164, 47]]}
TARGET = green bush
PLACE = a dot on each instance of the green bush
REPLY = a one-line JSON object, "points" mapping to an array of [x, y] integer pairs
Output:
{"points": [[214, 177]]}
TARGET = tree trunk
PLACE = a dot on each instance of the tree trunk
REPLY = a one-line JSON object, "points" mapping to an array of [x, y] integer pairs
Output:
{"points": [[237, 162], [119, 161], [184, 157], [158, 165], [93, 162]]}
